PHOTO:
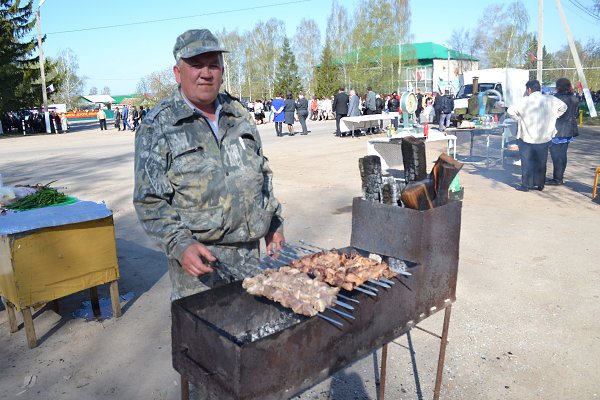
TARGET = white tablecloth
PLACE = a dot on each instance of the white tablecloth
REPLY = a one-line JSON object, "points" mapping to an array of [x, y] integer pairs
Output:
{"points": [[365, 121], [23, 221], [390, 153]]}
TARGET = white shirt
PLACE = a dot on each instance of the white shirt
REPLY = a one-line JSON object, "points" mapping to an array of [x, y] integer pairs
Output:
{"points": [[536, 115]]}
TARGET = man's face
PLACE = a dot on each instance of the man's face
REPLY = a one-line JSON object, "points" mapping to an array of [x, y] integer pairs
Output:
{"points": [[200, 78]]}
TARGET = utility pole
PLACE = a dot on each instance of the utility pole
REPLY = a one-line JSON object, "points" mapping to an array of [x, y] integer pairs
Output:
{"points": [[540, 42], [586, 89], [43, 75]]}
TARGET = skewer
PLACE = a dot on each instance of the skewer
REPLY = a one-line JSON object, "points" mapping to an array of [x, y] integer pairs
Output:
{"points": [[365, 291], [386, 280], [312, 245], [369, 287], [340, 312], [376, 282], [341, 296], [333, 321], [342, 304]]}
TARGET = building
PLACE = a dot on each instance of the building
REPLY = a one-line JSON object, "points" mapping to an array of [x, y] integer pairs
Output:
{"points": [[427, 66]]}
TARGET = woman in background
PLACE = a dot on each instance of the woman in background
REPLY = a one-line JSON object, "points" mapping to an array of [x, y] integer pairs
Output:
{"points": [[289, 110], [566, 127]]}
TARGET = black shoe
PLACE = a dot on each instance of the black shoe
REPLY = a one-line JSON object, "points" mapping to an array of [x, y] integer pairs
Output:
{"points": [[540, 188], [554, 182], [522, 188]]}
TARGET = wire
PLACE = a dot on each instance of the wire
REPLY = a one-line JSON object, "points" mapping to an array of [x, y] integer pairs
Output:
{"points": [[586, 10], [177, 18]]}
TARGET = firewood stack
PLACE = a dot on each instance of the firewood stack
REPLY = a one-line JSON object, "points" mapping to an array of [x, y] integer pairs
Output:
{"points": [[422, 194]]}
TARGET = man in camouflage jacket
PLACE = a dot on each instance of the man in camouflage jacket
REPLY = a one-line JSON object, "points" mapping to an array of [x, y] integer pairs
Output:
{"points": [[203, 188]]}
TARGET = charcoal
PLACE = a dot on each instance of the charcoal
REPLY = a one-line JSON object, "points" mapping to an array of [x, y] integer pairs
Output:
{"points": [[413, 157]]}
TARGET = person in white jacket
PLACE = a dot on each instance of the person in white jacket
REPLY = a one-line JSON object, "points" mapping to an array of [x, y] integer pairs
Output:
{"points": [[536, 115]]}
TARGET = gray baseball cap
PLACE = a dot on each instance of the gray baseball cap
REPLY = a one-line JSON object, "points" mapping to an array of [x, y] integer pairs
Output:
{"points": [[196, 41]]}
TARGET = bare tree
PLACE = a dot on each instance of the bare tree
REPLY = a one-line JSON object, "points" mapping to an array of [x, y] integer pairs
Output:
{"points": [[105, 90], [234, 61], [93, 90], [307, 48], [339, 36], [504, 38], [380, 38], [264, 47], [72, 85], [158, 84]]}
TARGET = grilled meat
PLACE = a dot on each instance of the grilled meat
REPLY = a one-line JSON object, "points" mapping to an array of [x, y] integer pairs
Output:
{"points": [[292, 289], [342, 270]]}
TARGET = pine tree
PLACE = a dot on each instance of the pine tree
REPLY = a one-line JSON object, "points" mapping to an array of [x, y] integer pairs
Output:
{"points": [[327, 74], [286, 76], [17, 64]]}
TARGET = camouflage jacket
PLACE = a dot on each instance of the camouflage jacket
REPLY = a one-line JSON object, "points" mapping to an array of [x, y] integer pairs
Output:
{"points": [[190, 188]]}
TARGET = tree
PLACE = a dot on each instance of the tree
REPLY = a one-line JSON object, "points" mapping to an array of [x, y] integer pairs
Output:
{"points": [[158, 84], [380, 39], [504, 39], [234, 61], [339, 36], [72, 85], [307, 45], [93, 90], [105, 90], [17, 64], [261, 57], [287, 79], [327, 75], [464, 41]]}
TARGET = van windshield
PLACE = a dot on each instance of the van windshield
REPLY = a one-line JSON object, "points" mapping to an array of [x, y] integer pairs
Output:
{"points": [[467, 90]]}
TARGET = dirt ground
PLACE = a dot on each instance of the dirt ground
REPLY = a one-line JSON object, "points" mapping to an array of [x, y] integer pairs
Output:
{"points": [[524, 325]]}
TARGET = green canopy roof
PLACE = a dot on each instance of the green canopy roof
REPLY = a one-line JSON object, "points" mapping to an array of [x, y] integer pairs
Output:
{"points": [[419, 53]]}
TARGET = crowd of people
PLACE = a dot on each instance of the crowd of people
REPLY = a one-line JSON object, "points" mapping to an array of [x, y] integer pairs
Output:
{"points": [[126, 117], [33, 122], [431, 108]]}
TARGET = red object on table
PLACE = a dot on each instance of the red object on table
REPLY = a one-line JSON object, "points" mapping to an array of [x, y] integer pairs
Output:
{"points": [[426, 129]]}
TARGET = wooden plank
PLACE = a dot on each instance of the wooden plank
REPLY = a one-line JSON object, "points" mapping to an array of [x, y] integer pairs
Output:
{"points": [[115, 299], [29, 329]]}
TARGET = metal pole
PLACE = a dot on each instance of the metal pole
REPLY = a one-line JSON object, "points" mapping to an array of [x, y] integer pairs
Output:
{"points": [[383, 372], [442, 355], [448, 48], [43, 75], [586, 89], [540, 44]]}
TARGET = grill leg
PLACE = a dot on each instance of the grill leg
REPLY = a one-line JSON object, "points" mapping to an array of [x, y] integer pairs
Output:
{"points": [[185, 389], [442, 356], [383, 372]]}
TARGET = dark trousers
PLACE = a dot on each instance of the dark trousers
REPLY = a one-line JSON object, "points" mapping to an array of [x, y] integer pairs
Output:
{"points": [[102, 124], [278, 128], [338, 118], [558, 152], [302, 118], [533, 163]]}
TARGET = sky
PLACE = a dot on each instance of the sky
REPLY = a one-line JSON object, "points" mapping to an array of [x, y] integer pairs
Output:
{"points": [[119, 42]]}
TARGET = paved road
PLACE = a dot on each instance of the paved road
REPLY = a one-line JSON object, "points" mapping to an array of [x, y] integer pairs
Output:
{"points": [[523, 326]]}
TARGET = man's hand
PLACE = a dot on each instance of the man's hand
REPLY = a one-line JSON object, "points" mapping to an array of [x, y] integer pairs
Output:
{"points": [[192, 260], [275, 242]]}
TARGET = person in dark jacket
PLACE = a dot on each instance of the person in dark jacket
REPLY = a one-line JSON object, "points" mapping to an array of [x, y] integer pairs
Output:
{"points": [[566, 127], [302, 110], [340, 106], [446, 107], [393, 105], [288, 111]]}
